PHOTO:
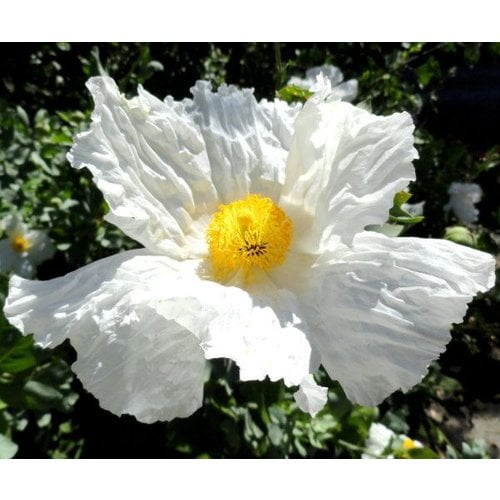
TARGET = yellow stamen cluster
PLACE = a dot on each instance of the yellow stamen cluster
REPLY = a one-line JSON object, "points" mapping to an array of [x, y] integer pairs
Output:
{"points": [[408, 444], [19, 244], [248, 234]]}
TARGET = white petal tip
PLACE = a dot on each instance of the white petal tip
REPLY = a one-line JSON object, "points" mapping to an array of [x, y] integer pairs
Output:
{"points": [[310, 397]]}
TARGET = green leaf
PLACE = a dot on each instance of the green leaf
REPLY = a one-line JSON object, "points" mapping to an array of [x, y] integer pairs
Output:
{"points": [[460, 235], [406, 219], [401, 197], [396, 421], [41, 396], [489, 160], [17, 357], [428, 71], [23, 115], [7, 447], [478, 448], [292, 93], [448, 385], [422, 453], [398, 215], [275, 434]]}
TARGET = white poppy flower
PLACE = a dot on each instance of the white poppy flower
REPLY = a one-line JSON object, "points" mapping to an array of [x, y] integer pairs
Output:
{"points": [[319, 75], [252, 219], [382, 442], [463, 197], [24, 248]]}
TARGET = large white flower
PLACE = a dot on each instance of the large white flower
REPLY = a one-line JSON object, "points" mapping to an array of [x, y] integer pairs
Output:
{"points": [[317, 76], [24, 248], [463, 198], [252, 219]]}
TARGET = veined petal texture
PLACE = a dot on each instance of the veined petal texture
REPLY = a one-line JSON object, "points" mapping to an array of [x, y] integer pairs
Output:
{"points": [[165, 166], [345, 166], [245, 140], [142, 326], [129, 355], [385, 308], [150, 162]]}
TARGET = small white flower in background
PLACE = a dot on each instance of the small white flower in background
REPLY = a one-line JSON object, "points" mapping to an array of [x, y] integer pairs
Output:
{"points": [[463, 197], [315, 81], [24, 248], [382, 442], [252, 218]]}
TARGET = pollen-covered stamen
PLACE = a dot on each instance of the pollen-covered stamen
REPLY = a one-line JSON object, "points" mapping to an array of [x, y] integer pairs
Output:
{"points": [[19, 244], [254, 249], [246, 234]]}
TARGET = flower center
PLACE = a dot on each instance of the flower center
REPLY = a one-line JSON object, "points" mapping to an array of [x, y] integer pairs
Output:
{"points": [[19, 244], [248, 234], [408, 444]]}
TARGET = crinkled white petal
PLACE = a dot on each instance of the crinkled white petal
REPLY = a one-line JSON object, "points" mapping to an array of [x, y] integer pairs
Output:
{"points": [[129, 355], [259, 328], [289, 291], [280, 118], [262, 348], [311, 397], [344, 167], [267, 340], [52, 309], [165, 166], [149, 159], [137, 362], [385, 307], [244, 140], [463, 197], [137, 322]]}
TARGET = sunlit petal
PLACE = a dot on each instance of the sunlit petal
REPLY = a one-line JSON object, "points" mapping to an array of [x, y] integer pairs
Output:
{"points": [[385, 308], [345, 166]]}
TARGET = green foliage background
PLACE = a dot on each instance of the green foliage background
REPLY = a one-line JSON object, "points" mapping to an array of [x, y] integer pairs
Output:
{"points": [[451, 89]]}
